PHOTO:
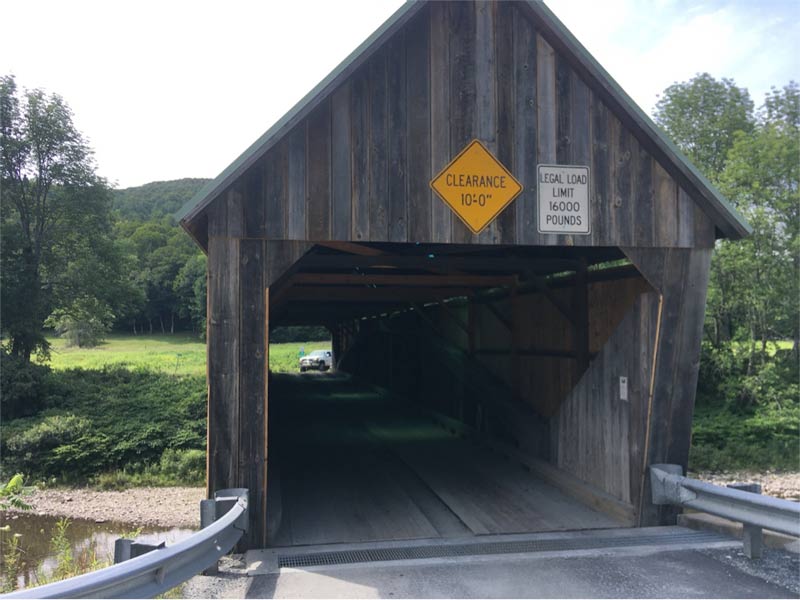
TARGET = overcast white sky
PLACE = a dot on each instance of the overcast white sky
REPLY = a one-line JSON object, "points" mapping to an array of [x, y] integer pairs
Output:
{"points": [[179, 88]]}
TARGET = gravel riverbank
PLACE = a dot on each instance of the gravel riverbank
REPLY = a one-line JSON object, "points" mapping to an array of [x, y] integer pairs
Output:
{"points": [[163, 507]]}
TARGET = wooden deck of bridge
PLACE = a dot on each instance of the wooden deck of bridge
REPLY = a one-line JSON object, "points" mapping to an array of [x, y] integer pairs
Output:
{"points": [[349, 464]]}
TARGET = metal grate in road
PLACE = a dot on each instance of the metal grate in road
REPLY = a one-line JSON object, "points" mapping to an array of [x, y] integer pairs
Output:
{"points": [[341, 557]]}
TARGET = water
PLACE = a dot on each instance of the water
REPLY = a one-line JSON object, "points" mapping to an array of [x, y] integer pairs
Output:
{"points": [[38, 530]]}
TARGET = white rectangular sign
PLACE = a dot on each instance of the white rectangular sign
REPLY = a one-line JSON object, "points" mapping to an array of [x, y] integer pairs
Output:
{"points": [[563, 199]]}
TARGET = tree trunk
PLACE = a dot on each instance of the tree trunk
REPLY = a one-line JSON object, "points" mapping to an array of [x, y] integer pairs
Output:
{"points": [[150, 322], [172, 322], [161, 322]]}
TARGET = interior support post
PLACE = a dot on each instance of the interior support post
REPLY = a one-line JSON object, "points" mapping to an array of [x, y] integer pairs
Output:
{"points": [[580, 308]]}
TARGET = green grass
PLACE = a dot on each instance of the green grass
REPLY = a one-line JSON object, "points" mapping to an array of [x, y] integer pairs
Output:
{"points": [[177, 354]]}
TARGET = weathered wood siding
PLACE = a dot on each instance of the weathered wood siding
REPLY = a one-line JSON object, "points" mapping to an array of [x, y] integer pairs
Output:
{"points": [[239, 274], [595, 435], [357, 168]]}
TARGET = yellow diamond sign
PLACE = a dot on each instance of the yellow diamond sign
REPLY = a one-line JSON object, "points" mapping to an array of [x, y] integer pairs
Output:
{"points": [[476, 186]]}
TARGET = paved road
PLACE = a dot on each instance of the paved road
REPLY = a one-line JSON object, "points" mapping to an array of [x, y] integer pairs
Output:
{"points": [[621, 573]]}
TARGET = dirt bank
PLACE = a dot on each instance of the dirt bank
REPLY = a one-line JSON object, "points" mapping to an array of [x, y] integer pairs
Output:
{"points": [[165, 507]]}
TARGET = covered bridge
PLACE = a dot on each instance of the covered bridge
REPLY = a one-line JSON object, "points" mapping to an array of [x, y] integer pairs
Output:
{"points": [[505, 249]]}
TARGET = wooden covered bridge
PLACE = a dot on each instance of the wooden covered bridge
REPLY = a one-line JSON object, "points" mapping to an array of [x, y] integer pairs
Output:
{"points": [[512, 261]]}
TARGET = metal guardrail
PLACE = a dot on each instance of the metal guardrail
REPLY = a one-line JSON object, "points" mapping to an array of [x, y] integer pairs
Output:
{"points": [[754, 511], [162, 569]]}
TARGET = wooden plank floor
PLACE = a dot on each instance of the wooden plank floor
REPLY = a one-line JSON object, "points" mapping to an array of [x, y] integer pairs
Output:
{"points": [[354, 466]]}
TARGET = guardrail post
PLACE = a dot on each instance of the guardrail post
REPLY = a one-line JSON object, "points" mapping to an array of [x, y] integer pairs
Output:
{"points": [[752, 535], [752, 541], [208, 514], [122, 550]]}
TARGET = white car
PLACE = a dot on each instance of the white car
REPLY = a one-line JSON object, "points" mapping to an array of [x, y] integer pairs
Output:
{"points": [[318, 359]]}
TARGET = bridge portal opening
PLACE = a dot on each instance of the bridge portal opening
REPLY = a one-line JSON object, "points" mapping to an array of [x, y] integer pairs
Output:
{"points": [[477, 390]]}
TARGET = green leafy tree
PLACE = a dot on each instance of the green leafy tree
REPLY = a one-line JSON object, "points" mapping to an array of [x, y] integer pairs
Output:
{"points": [[762, 176], [55, 218], [702, 116]]}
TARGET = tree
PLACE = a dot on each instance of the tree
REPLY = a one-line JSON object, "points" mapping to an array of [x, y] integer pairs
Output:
{"points": [[54, 218], [762, 177], [702, 116], [754, 158]]}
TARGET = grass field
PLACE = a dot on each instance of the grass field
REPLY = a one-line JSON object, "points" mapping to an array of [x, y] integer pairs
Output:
{"points": [[177, 354]]}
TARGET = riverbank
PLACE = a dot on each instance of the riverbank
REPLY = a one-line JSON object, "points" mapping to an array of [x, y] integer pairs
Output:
{"points": [[159, 507]]}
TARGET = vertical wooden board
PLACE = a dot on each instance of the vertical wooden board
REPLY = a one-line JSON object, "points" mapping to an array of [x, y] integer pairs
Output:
{"points": [[359, 142], [485, 125], [546, 121], [665, 217], [441, 215], [397, 137], [234, 208], [462, 91], [419, 128], [704, 231], [378, 155], [563, 120], [318, 204], [563, 111], [252, 386], [659, 425], [223, 362], [639, 388], [218, 218], [645, 198], [504, 51], [685, 219], [525, 126], [296, 196], [276, 171], [623, 184], [254, 201], [601, 163], [692, 316], [341, 161], [581, 138]]}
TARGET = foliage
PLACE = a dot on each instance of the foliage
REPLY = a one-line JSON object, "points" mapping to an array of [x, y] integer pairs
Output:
{"points": [[298, 333], [176, 467], [107, 419], [755, 160], [746, 420], [155, 200], [55, 220], [84, 323], [60, 445], [702, 115], [24, 386], [11, 494], [12, 563]]}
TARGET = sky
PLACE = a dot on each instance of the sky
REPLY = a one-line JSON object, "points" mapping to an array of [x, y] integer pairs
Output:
{"points": [[170, 89]]}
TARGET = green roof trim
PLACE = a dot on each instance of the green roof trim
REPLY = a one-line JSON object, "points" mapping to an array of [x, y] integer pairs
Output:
{"points": [[256, 150], [737, 225], [726, 218]]}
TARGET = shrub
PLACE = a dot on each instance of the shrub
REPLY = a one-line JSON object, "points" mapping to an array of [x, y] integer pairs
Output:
{"points": [[84, 323], [24, 387], [66, 445]]}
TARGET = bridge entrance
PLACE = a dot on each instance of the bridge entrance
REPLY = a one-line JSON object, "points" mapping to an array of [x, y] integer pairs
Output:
{"points": [[502, 244]]}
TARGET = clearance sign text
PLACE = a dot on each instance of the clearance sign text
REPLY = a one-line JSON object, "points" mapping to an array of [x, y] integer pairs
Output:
{"points": [[476, 186]]}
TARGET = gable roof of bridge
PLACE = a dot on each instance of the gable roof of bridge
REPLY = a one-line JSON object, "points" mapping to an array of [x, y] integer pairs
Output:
{"points": [[728, 221]]}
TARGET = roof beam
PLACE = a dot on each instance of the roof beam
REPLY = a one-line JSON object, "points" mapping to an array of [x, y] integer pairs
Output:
{"points": [[477, 281]]}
